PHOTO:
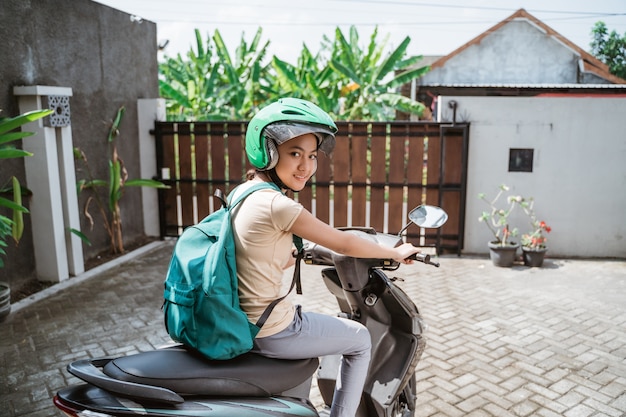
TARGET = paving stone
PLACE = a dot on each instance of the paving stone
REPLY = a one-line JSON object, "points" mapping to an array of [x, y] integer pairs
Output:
{"points": [[494, 410], [579, 410], [571, 399], [525, 408], [548, 404], [501, 341], [547, 413], [620, 402], [496, 400], [604, 408]]}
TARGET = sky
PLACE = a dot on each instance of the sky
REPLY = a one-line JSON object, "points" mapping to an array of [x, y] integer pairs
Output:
{"points": [[434, 27]]}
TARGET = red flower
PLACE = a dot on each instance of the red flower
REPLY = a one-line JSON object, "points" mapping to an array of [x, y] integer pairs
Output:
{"points": [[544, 226]]}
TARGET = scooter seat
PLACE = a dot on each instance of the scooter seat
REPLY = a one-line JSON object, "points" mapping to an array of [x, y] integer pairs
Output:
{"points": [[188, 373]]}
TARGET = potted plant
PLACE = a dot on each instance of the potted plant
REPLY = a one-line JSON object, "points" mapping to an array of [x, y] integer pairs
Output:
{"points": [[534, 242], [502, 250]]}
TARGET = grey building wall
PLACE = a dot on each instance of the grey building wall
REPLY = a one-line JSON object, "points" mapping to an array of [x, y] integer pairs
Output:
{"points": [[519, 52], [108, 60]]}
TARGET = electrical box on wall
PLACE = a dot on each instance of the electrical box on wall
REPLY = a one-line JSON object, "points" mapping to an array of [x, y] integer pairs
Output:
{"points": [[521, 160]]}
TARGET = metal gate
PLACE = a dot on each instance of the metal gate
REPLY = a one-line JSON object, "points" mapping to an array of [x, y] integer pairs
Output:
{"points": [[378, 172]]}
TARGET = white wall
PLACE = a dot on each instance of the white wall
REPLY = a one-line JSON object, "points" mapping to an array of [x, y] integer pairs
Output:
{"points": [[579, 173]]}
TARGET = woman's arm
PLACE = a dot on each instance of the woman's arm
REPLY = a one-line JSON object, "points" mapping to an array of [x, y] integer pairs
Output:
{"points": [[312, 229]]}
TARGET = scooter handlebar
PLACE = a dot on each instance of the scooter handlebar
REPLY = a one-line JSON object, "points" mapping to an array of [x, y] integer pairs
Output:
{"points": [[315, 254], [425, 258]]}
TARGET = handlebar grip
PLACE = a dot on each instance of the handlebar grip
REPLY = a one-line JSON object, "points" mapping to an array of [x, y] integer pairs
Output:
{"points": [[425, 258], [420, 257]]}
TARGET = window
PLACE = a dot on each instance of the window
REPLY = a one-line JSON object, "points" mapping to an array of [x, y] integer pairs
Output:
{"points": [[521, 160]]}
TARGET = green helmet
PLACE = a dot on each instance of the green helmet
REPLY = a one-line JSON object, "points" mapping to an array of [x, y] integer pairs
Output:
{"points": [[281, 121]]}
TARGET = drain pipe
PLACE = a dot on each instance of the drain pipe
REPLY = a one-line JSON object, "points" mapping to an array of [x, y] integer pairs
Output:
{"points": [[453, 105]]}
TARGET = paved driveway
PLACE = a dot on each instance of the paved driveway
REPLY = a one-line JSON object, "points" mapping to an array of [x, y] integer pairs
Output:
{"points": [[522, 341]]}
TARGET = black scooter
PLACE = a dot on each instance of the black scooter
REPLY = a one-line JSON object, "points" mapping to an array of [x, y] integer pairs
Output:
{"points": [[174, 381]]}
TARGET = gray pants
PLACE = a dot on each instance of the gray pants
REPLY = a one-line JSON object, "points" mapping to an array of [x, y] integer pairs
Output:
{"points": [[312, 335]]}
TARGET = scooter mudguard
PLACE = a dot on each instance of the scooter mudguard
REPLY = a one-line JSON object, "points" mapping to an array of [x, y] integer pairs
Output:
{"points": [[94, 399]]}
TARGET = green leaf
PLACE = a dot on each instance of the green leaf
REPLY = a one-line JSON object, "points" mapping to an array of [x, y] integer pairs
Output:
{"points": [[6, 125], [10, 204], [407, 77], [222, 52], [18, 216], [286, 75], [344, 70], [114, 184], [145, 183], [10, 137], [115, 126], [93, 183], [169, 92], [345, 62], [402, 103], [191, 91], [81, 235], [9, 153], [390, 63], [199, 44]]}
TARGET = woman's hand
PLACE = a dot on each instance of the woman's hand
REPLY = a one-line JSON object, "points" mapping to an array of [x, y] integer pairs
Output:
{"points": [[404, 251]]}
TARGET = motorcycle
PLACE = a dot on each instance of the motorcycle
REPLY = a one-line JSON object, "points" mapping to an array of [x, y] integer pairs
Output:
{"points": [[175, 381]]}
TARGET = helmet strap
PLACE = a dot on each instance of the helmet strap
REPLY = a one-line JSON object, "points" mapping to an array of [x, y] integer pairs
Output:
{"points": [[276, 180]]}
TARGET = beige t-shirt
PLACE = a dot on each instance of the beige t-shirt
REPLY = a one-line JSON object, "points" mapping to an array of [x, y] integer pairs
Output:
{"points": [[263, 246]]}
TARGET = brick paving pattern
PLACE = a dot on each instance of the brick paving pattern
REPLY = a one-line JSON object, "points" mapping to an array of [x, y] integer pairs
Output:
{"points": [[515, 341]]}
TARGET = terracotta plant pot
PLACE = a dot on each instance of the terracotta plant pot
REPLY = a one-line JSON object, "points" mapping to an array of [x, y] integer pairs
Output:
{"points": [[5, 300], [503, 256], [533, 257]]}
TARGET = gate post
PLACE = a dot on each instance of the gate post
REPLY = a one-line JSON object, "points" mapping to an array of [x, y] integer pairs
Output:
{"points": [[51, 176], [149, 110]]}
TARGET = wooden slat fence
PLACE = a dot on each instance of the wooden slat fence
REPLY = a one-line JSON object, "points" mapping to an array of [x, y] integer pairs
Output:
{"points": [[379, 171]]}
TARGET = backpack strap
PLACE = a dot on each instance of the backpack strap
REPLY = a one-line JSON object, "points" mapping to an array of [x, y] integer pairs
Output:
{"points": [[297, 241], [219, 194], [260, 186]]}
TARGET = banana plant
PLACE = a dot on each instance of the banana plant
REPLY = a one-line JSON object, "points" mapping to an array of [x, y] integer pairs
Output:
{"points": [[371, 80], [118, 180], [193, 87], [211, 85], [346, 81], [248, 79], [308, 80], [14, 226]]}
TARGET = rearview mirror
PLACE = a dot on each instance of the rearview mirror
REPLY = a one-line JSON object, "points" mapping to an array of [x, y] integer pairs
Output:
{"points": [[430, 217]]}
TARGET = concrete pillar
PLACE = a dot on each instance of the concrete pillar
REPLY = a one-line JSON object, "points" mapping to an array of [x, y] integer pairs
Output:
{"points": [[149, 110], [50, 175]]}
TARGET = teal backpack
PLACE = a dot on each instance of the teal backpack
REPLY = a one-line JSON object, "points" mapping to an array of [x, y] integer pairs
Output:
{"points": [[201, 299]]}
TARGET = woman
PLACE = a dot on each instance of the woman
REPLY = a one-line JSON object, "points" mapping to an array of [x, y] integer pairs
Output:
{"points": [[282, 143]]}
